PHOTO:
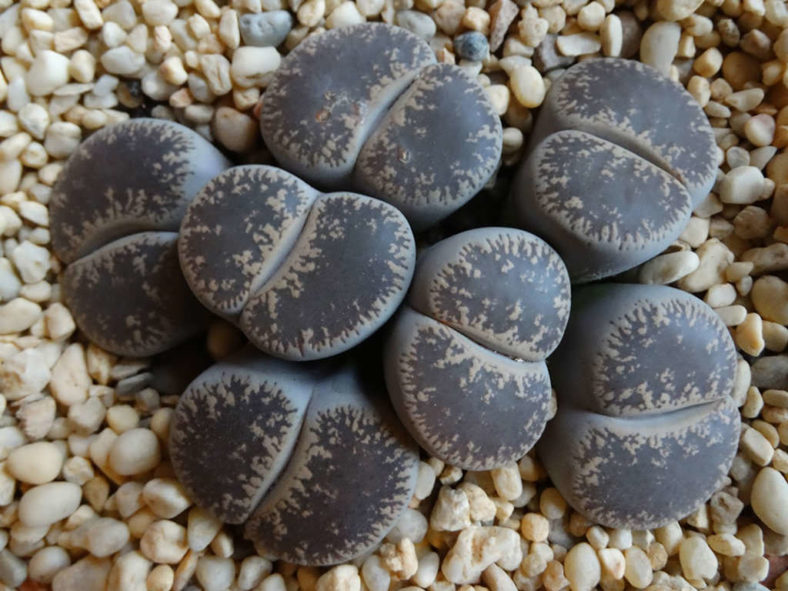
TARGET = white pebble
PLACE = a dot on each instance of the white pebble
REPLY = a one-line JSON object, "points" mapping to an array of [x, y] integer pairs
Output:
{"points": [[344, 15], [697, 559], [135, 452], [122, 61], [164, 542], [659, 45], [47, 562], [48, 72], [70, 380], [18, 315], [741, 185], [214, 573], [582, 568], [202, 528], [47, 503], [527, 86], [23, 374], [129, 572], [31, 260], [166, 497], [769, 498], [36, 463], [34, 119], [251, 65], [668, 268]]}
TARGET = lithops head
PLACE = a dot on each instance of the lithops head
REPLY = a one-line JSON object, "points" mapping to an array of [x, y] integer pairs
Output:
{"points": [[350, 477], [604, 208], [646, 429], [235, 428], [115, 209], [389, 121], [631, 104], [305, 275], [619, 157], [486, 308]]}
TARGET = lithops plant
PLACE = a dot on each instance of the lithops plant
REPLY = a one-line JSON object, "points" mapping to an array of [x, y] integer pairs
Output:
{"points": [[304, 274], [311, 459], [619, 157], [115, 212], [464, 363], [388, 120], [646, 429]]}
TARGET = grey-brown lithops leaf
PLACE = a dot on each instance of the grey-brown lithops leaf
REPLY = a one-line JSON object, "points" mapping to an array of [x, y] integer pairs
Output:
{"points": [[487, 306], [351, 476], [238, 231], [604, 208], [346, 275], [467, 405], [503, 287], [134, 176], [646, 429], [436, 148], [329, 93], [115, 211], [633, 105], [235, 428], [129, 297]]}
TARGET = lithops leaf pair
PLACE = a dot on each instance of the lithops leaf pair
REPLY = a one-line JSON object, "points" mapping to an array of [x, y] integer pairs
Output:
{"points": [[115, 209], [304, 274], [464, 363], [619, 157], [646, 429], [312, 460], [366, 107]]}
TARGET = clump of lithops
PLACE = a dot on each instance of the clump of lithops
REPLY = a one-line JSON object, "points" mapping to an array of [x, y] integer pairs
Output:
{"points": [[310, 458], [619, 157], [304, 274], [116, 209], [646, 429], [464, 362], [367, 107]]}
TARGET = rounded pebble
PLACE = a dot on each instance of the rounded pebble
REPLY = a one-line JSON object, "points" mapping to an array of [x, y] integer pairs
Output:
{"points": [[471, 46], [769, 498], [135, 452], [638, 396], [45, 504], [265, 29], [35, 463]]}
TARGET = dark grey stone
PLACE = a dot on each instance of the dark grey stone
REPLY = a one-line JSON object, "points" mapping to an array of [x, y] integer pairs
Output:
{"points": [[646, 430], [486, 308], [305, 275], [435, 149], [129, 296], [632, 105], [421, 136], [546, 57], [235, 428], [632, 33], [350, 477], [603, 208], [771, 372], [265, 29], [115, 209], [471, 46]]}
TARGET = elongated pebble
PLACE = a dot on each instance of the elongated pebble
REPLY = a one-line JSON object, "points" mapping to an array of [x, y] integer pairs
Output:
{"points": [[769, 498], [45, 504]]}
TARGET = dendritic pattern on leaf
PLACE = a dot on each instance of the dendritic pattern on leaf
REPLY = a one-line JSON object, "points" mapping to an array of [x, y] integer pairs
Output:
{"points": [[231, 436], [661, 355], [508, 290], [470, 407], [348, 482], [130, 297]]}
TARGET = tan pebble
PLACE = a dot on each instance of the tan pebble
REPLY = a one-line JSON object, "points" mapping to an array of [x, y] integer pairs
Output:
{"points": [[760, 130], [667, 268], [767, 259], [770, 297], [534, 527], [769, 498], [476, 19], [36, 463], [477, 548], [757, 447], [714, 259], [70, 379], [582, 568], [164, 542], [451, 511], [775, 336], [578, 44], [47, 503], [732, 315], [527, 86], [134, 452], [591, 16], [659, 45], [344, 577], [697, 559], [749, 335], [507, 482], [612, 36]]}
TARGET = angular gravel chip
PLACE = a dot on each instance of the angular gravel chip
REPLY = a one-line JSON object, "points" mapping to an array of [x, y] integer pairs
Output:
{"points": [[646, 429]]}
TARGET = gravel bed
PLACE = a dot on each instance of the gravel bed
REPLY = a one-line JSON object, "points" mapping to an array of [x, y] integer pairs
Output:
{"points": [[88, 500]]}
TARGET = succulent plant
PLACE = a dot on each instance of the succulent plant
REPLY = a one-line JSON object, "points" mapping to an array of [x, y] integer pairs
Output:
{"points": [[646, 429], [116, 208], [365, 107], [487, 306], [619, 157], [310, 458]]}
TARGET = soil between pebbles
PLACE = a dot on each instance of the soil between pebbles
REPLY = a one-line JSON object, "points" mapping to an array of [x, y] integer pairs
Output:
{"points": [[87, 496]]}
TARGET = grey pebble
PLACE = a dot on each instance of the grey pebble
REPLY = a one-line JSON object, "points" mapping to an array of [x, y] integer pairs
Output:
{"points": [[646, 430], [266, 29], [129, 386], [13, 570], [351, 476], [115, 211], [390, 122], [771, 372], [472, 46], [486, 308], [418, 23], [546, 57], [631, 212], [305, 275]]}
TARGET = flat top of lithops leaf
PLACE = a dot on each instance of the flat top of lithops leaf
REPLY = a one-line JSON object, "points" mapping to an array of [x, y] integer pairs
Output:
{"points": [[627, 99], [611, 209], [350, 477], [331, 90], [502, 287], [234, 429], [133, 176], [238, 230], [435, 149]]}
